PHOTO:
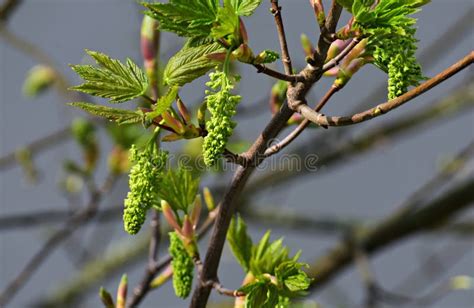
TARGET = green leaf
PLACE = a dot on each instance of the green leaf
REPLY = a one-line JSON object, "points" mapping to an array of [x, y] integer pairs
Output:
{"points": [[163, 103], [292, 277], [245, 7], [119, 116], [261, 294], [240, 242], [227, 24], [111, 79], [257, 296], [190, 63], [347, 4], [179, 189], [184, 17]]}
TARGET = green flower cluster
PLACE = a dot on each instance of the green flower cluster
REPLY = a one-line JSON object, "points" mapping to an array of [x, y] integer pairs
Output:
{"points": [[144, 182], [183, 266], [221, 104], [396, 56]]}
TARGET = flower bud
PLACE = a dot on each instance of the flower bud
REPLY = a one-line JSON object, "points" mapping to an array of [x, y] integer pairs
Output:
{"points": [[118, 160], [308, 47], [201, 115], [266, 56], [174, 123], [336, 47], [149, 39], [244, 54], [209, 199], [38, 79], [196, 211], [183, 111], [170, 216], [106, 298], [122, 292]]}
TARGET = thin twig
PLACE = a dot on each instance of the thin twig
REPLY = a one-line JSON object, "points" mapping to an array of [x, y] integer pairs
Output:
{"points": [[57, 238], [388, 106], [275, 74], [337, 59], [302, 126], [140, 290], [285, 54]]}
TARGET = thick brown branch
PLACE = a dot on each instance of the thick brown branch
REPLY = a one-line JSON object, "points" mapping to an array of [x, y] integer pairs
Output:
{"points": [[383, 108]]}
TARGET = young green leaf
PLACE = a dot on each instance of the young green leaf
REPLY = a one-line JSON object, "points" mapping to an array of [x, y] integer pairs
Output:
{"points": [[240, 242], [111, 79], [190, 63], [226, 24], [290, 275], [163, 103], [179, 189], [184, 17], [260, 294], [119, 116], [245, 7]]}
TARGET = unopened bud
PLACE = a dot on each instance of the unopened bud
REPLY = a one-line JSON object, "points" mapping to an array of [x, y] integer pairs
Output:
{"points": [[201, 115], [336, 47], [174, 123], [196, 211], [308, 47], [183, 111], [243, 31], [106, 298], [209, 199], [149, 39], [244, 54], [38, 79], [170, 216], [122, 292]]}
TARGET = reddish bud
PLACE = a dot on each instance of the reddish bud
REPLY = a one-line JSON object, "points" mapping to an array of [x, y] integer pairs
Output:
{"points": [[122, 292], [172, 122], [308, 47], [196, 212], [209, 199], [183, 111], [243, 31], [169, 216]]}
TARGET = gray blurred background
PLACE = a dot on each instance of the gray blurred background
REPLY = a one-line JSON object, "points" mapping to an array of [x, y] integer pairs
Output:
{"points": [[368, 188]]}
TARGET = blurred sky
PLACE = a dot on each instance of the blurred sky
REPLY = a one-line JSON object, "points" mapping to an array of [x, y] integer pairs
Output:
{"points": [[368, 188]]}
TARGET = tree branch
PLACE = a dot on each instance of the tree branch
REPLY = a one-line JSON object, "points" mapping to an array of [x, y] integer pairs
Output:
{"points": [[8, 8], [275, 74], [302, 126], [388, 106]]}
